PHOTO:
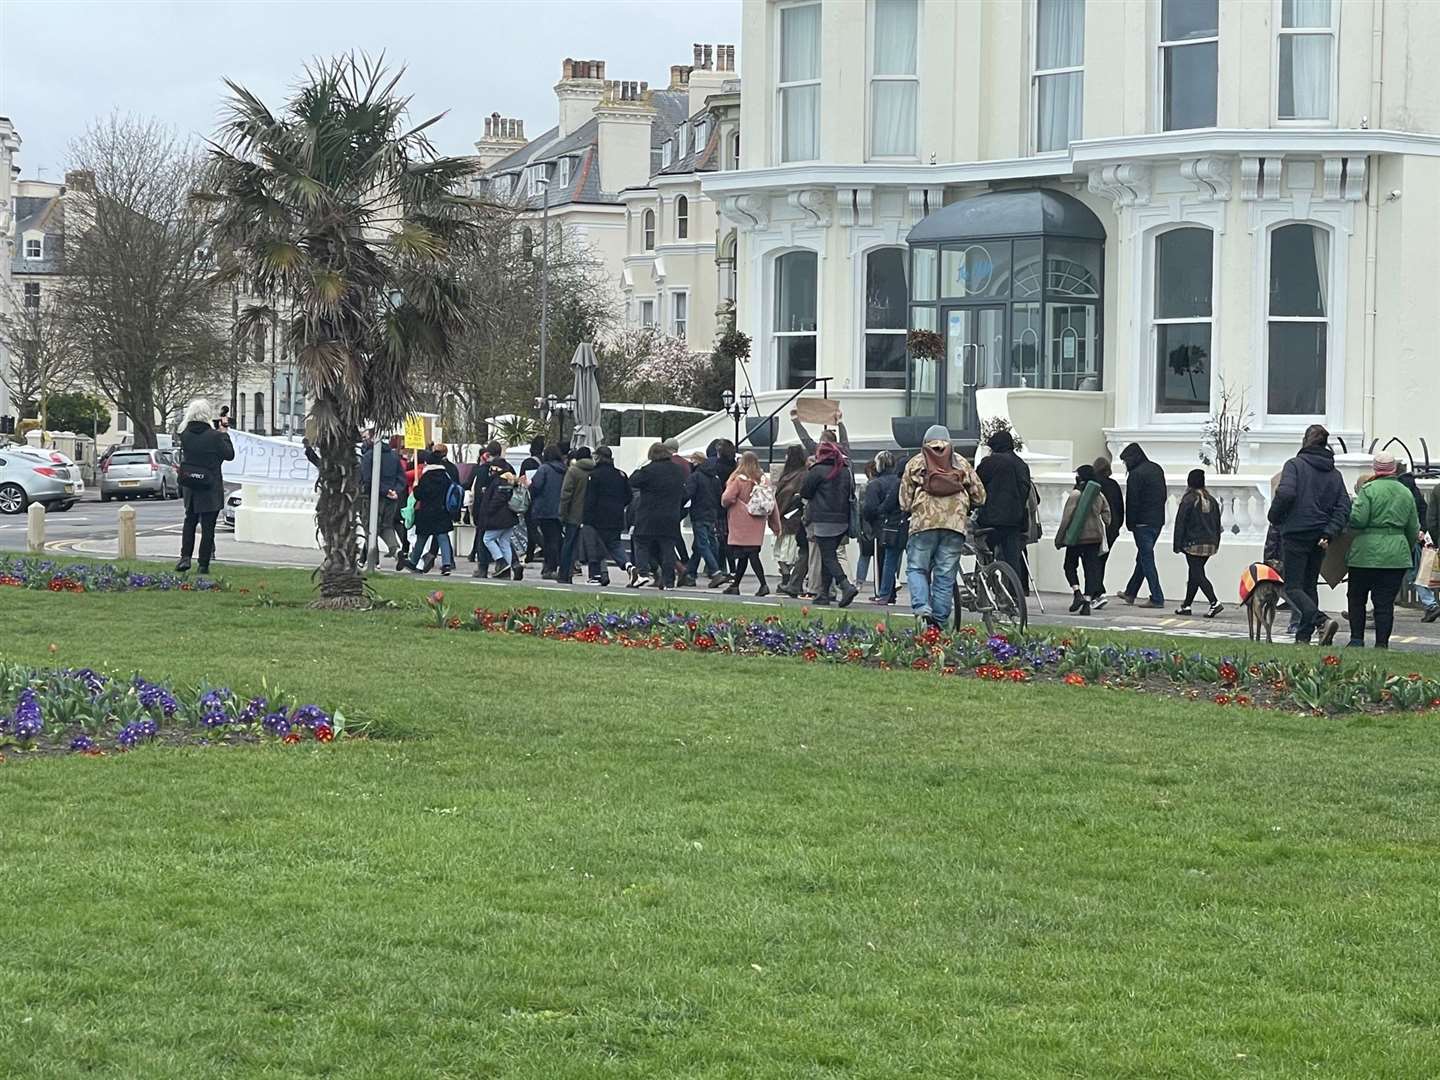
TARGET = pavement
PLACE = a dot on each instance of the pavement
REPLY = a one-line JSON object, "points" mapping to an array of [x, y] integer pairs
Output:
{"points": [[90, 530]]}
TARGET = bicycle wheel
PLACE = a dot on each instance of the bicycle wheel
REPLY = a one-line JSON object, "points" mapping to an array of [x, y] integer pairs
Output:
{"points": [[1003, 606]]}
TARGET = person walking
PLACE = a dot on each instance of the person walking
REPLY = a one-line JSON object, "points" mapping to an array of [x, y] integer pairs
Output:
{"points": [[1084, 525], [702, 491], [892, 531], [1432, 530], [747, 492], [1387, 527], [1110, 488], [572, 509], [829, 492], [1423, 597], [937, 490], [1310, 508], [793, 547], [392, 488], [204, 448], [1006, 512], [606, 497], [661, 484], [534, 541], [1197, 537], [432, 516], [545, 485], [495, 521], [1145, 496]]}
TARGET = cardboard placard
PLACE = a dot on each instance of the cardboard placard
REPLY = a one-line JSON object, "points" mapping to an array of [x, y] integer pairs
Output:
{"points": [[416, 435], [817, 410], [1333, 569]]}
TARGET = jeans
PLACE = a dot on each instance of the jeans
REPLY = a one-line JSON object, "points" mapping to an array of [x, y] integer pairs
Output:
{"points": [[889, 566], [655, 556], [1381, 587], [1196, 580], [551, 539], [206, 521], [931, 559], [447, 553], [497, 542], [1088, 556], [1009, 547], [832, 571], [704, 549], [1302, 557], [606, 542], [566, 570], [1145, 537]]}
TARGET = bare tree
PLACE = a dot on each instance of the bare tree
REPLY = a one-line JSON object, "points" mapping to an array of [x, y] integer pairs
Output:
{"points": [[136, 294], [41, 356]]}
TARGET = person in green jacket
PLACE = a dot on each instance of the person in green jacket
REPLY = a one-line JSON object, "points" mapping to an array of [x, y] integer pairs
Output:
{"points": [[1386, 527]]}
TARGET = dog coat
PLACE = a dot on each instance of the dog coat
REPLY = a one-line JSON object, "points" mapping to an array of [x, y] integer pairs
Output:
{"points": [[1254, 574]]}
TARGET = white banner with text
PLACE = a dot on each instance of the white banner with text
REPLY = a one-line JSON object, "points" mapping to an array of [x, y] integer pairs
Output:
{"points": [[260, 458]]}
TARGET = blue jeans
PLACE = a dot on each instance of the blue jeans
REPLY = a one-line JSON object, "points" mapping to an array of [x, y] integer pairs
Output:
{"points": [[567, 552], [889, 566], [422, 540], [931, 559], [497, 542], [1145, 571], [704, 549], [606, 541]]}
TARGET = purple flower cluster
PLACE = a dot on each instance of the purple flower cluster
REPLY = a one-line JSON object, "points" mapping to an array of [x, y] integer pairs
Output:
{"points": [[26, 723], [34, 573], [277, 722], [154, 696], [81, 743], [310, 716], [131, 734]]}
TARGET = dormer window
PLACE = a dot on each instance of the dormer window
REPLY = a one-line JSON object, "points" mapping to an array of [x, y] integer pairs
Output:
{"points": [[565, 172], [683, 137], [667, 154], [534, 178], [34, 247]]}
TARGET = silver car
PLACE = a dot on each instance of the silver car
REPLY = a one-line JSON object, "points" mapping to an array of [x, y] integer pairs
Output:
{"points": [[43, 476], [128, 474]]}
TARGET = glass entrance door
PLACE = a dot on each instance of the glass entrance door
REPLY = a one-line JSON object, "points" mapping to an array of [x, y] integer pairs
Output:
{"points": [[974, 359]]}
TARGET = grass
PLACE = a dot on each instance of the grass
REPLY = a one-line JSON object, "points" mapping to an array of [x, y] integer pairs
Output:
{"points": [[565, 861]]}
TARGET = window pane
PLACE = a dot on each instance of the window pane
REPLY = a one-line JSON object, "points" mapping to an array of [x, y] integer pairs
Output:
{"points": [[897, 24], [1183, 274], [1190, 76], [1181, 19], [892, 118], [1072, 268], [1025, 279], [1304, 13], [923, 273], [1297, 369], [800, 43], [1059, 103], [1027, 345], [1074, 359], [795, 292], [1182, 366], [1299, 271], [978, 270], [885, 294], [1060, 26], [922, 318], [885, 361], [1305, 76], [800, 123], [794, 361]]}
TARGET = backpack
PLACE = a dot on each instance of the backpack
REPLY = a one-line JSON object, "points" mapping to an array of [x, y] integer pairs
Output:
{"points": [[520, 499], [942, 480], [454, 499], [762, 499]]}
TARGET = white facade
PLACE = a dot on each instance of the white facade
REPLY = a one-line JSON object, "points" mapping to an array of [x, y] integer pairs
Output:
{"points": [[1295, 141]]}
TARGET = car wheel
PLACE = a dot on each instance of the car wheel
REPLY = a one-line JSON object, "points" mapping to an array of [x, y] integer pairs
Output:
{"points": [[104, 497], [12, 499], [59, 508]]}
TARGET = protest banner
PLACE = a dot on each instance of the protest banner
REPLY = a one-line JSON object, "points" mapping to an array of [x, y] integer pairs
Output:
{"points": [[261, 458]]}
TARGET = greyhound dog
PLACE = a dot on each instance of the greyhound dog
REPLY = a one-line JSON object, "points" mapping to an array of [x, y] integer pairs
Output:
{"points": [[1260, 589]]}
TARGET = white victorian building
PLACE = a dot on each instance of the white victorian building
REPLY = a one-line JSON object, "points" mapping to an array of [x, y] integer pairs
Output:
{"points": [[1106, 208]]}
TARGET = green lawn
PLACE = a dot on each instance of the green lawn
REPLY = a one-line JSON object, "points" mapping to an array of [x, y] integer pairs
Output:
{"points": [[566, 861]]}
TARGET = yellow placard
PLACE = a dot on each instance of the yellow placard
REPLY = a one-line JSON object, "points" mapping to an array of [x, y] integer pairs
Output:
{"points": [[415, 433]]}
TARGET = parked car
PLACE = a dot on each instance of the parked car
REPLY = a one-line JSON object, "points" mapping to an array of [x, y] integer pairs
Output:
{"points": [[232, 503], [45, 476], [130, 473]]}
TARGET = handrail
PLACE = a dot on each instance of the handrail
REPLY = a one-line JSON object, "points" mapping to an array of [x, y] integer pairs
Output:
{"points": [[816, 380]]}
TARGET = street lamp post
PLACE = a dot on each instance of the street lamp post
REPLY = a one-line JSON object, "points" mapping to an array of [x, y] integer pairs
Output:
{"points": [[737, 410], [544, 182]]}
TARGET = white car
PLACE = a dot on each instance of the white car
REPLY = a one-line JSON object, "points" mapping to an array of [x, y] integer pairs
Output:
{"points": [[232, 503], [28, 474]]}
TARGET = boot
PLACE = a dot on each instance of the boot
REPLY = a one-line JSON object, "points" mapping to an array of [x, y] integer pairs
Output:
{"points": [[763, 590], [717, 579], [518, 570], [1077, 602]]}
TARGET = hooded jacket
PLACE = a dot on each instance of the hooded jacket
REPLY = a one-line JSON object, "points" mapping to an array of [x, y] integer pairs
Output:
{"points": [[572, 491], [1007, 485], [392, 471], [431, 517], [495, 512], [1197, 523], [1310, 501], [939, 511], [703, 492], [606, 497], [662, 503], [545, 487], [1145, 489], [828, 489]]}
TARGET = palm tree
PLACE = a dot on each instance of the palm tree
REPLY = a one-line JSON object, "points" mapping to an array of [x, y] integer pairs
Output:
{"points": [[351, 225]]}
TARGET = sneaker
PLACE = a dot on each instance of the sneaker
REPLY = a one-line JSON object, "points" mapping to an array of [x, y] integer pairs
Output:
{"points": [[687, 581], [1184, 609], [634, 577], [1431, 614], [1153, 603], [1127, 598], [717, 579], [847, 595], [603, 582], [501, 571], [446, 571], [641, 581], [517, 571], [183, 566], [763, 590], [1215, 609], [821, 601], [1099, 602], [1331, 629], [592, 580], [1076, 603]]}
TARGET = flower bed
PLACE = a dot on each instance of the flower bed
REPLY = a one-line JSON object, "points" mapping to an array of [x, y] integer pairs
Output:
{"points": [[1320, 686], [27, 572], [83, 711]]}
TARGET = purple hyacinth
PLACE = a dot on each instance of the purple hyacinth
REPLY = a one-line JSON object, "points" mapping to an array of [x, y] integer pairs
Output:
{"points": [[26, 722]]}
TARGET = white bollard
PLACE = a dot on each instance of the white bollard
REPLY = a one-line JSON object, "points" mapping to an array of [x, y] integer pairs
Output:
{"points": [[126, 537], [35, 528]]}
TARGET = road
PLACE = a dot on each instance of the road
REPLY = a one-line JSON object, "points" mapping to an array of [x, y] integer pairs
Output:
{"points": [[93, 520]]}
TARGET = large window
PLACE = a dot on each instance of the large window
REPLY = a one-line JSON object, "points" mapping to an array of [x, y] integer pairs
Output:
{"points": [[680, 315], [647, 226], [1189, 63], [894, 78], [647, 312], [682, 218], [34, 247], [885, 300], [32, 294], [1299, 320], [1059, 89], [1306, 59], [794, 333], [799, 88], [1182, 320]]}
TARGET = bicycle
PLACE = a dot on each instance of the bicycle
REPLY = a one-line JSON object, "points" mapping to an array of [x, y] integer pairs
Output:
{"points": [[990, 588]]}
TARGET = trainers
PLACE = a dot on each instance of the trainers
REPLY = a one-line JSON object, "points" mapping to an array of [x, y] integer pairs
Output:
{"points": [[1431, 613], [717, 579], [1099, 602], [501, 571], [1331, 629], [641, 581], [1215, 609], [1153, 603], [634, 577], [1127, 598], [733, 590], [446, 571], [1184, 609]]}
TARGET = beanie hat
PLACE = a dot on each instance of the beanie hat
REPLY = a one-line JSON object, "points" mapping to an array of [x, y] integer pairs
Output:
{"points": [[1196, 479], [1085, 474], [1384, 464], [937, 433]]}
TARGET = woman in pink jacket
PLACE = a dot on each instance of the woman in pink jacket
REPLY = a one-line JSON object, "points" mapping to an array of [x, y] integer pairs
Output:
{"points": [[747, 530]]}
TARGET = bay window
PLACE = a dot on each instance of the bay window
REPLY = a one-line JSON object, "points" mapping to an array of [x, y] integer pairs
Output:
{"points": [[1299, 321], [799, 86], [1182, 319], [1059, 81], [1189, 63], [894, 78], [1306, 45], [794, 335], [885, 301]]}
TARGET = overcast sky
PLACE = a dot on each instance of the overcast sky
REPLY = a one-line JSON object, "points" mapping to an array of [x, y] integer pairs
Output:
{"points": [[64, 62]]}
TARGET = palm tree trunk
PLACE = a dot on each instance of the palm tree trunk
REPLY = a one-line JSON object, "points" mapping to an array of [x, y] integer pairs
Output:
{"points": [[342, 584]]}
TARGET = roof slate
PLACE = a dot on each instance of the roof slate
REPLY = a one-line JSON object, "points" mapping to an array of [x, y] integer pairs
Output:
{"points": [[46, 214]]}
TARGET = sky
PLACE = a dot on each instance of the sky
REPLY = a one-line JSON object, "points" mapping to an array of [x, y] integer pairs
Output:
{"points": [[63, 63]]}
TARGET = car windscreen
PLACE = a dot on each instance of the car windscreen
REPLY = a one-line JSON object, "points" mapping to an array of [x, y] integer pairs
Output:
{"points": [[130, 459]]}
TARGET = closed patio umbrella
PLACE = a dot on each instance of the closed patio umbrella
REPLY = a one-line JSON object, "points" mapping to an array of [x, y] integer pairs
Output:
{"points": [[587, 399]]}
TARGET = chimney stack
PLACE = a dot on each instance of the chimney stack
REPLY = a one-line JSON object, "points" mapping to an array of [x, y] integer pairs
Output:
{"points": [[503, 136], [578, 92], [714, 66]]}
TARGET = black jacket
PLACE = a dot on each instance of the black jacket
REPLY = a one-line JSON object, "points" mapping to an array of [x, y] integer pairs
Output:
{"points": [[1310, 500], [495, 512], [662, 503], [1110, 487], [827, 498], [392, 471], [205, 447], [606, 497], [545, 491], [703, 491], [431, 517], [1145, 491], [1408, 479], [1007, 491], [1194, 527], [881, 492]]}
